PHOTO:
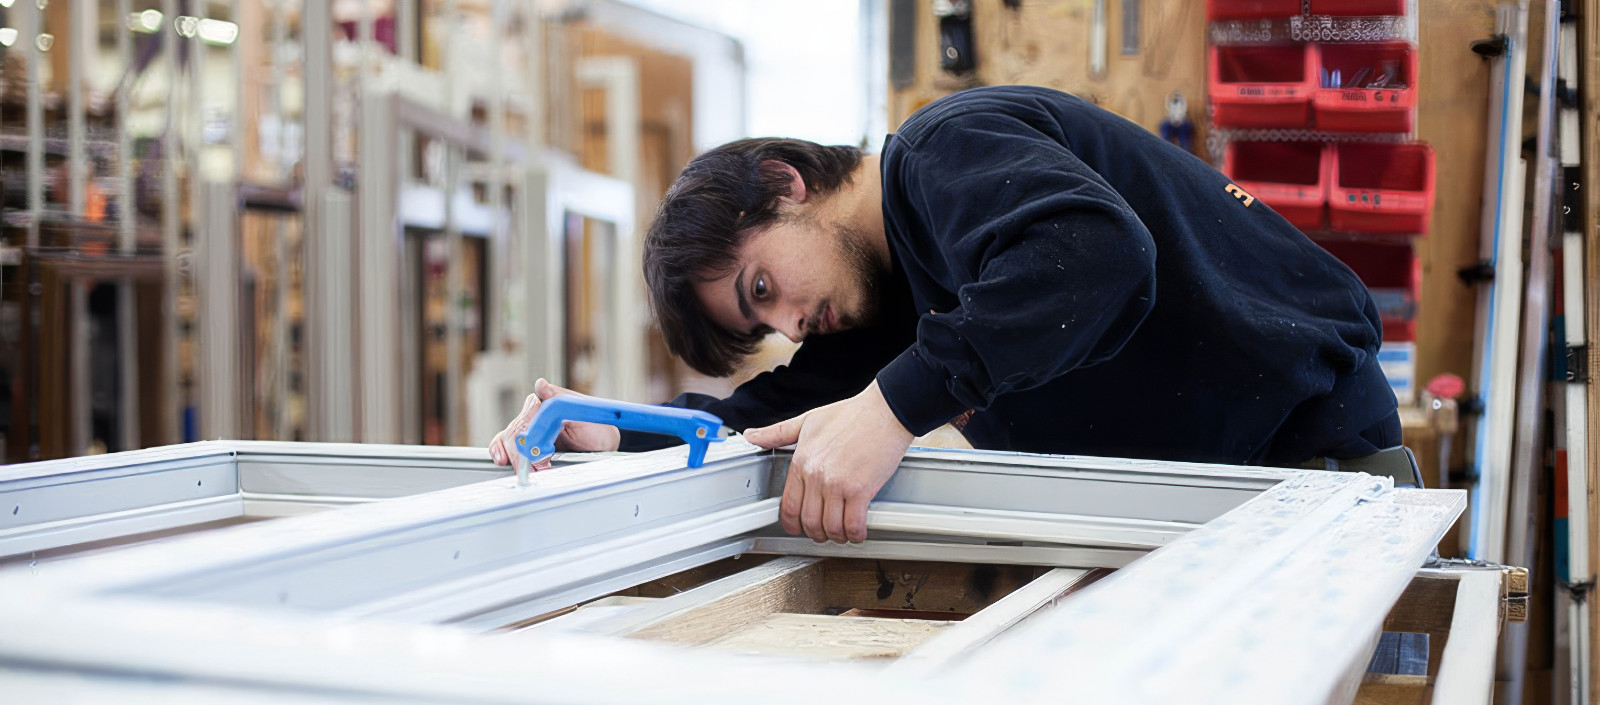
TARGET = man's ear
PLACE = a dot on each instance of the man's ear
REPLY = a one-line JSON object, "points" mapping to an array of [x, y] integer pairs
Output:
{"points": [[797, 185]]}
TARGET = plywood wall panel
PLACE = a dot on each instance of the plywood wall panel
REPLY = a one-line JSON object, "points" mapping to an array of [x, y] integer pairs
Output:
{"points": [[1047, 44]]}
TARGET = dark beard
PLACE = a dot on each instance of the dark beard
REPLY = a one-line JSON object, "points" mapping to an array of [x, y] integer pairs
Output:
{"points": [[864, 273]]}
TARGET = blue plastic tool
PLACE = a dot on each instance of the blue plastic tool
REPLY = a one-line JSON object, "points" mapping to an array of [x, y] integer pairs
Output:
{"points": [[697, 428]]}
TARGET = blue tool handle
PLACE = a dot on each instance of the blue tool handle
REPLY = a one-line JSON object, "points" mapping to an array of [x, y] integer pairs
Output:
{"points": [[697, 428]]}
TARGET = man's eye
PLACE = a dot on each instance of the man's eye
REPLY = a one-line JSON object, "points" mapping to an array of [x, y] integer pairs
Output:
{"points": [[759, 287]]}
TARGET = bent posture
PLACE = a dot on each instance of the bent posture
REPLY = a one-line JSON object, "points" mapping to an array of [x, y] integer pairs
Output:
{"points": [[1036, 271]]}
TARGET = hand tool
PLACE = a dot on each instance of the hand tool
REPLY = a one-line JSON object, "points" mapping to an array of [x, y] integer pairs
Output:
{"points": [[697, 428]]}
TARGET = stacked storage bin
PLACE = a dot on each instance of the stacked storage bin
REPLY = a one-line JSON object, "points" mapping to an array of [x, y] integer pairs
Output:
{"points": [[1314, 113]]}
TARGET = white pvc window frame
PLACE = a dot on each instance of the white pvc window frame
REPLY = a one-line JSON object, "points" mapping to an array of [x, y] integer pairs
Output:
{"points": [[1284, 575]]}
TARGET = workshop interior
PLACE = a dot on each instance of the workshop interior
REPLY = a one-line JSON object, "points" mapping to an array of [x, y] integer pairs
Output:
{"points": [[276, 274]]}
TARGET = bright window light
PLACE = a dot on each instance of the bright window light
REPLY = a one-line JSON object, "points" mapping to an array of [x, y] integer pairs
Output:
{"points": [[218, 31], [6, 3], [8, 36]]}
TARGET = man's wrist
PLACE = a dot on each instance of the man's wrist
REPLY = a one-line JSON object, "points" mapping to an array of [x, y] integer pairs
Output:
{"points": [[882, 404]]}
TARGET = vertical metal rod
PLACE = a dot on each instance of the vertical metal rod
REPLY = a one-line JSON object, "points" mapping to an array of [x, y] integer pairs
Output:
{"points": [[171, 424], [450, 22], [241, 378], [194, 132], [216, 291], [532, 234], [127, 241], [127, 221], [623, 357], [1536, 307], [316, 32], [367, 39], [280, 37], [1528, 438], [1502, 222], [499, 260], [333, 259], [533, 42], [377, 263], [236, 64], [1575, 389], [368, 180], [280, 360], [128, 365], [454, 154], [35, 156], [198, 225], [405, 29], [408, 293], [407, 372], [80, 42], [78, 341]]}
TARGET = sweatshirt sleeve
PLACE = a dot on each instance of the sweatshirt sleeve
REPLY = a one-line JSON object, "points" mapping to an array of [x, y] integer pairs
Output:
{"points": [[1052, 269]]}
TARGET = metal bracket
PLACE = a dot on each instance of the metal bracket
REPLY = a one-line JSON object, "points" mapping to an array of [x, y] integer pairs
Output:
{"points": [[957, 43], [1514, 583], [1579, 592], [1478, 273], [1492, 47], [1578, 363], [1514, 593]]}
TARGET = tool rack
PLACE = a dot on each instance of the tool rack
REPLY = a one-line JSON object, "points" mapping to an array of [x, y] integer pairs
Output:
{"points": [[1313, 109]]}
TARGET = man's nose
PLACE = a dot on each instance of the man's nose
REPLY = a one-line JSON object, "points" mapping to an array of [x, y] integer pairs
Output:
{"points": [[791, 322]]}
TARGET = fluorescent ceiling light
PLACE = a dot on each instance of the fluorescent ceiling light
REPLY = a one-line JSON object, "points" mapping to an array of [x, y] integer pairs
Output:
{"points": [[146, 22], [218, 31]]}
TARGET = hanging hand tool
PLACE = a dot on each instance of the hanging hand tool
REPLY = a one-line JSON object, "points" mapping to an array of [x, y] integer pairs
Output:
{"points": [[697, 428]]}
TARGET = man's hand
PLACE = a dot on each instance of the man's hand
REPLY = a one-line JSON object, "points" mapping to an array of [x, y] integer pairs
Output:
{"points": [[575, 435], [846, 452]]}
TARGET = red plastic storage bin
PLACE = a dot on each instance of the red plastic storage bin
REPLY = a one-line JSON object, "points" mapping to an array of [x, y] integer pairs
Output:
{"points": [[1351, 105], [1393, 275], [1380, 188], [1358, 8], [1250, 9], [1285, 175], [1262, 86]]}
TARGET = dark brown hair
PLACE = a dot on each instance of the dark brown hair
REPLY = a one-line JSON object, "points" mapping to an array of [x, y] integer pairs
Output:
{"points": [[722, 198]]}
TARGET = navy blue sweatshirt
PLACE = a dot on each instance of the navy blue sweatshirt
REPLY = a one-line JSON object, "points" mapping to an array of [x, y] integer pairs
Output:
{"points": [[1066, 282]]}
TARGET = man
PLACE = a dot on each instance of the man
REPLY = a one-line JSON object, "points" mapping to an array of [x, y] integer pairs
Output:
{"points": [[1044, 275]]}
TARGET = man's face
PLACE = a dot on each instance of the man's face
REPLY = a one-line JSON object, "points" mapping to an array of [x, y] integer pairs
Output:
{"points": [[798, 278]]}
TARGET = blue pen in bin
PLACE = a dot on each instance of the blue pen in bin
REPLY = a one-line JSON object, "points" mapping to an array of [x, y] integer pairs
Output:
{"points": [[697, 428]]}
